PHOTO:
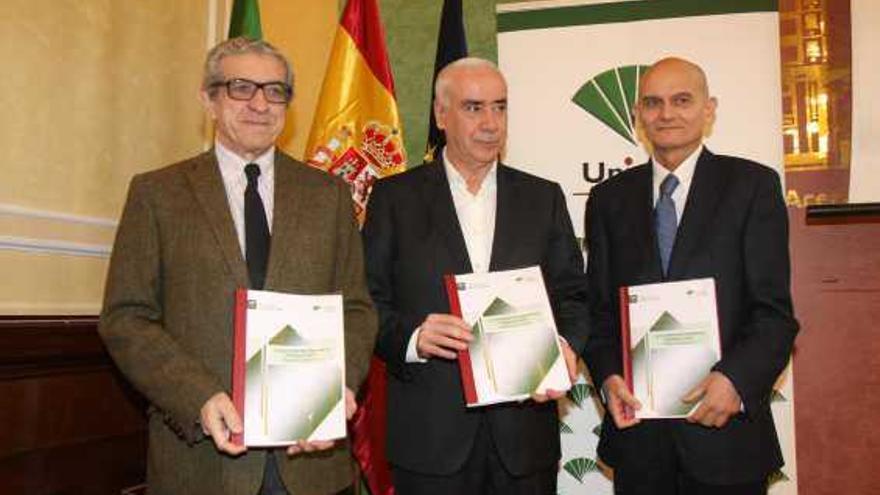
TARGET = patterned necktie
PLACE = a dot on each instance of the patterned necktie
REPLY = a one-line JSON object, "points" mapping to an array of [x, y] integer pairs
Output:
{"points": [[256, 229], [665, 222]]}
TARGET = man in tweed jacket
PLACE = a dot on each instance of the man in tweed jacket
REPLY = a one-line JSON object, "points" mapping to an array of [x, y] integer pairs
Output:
{"points": [[179, 256]]}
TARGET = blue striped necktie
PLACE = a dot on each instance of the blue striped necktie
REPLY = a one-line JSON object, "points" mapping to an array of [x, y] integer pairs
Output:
{"points": [[665, 221]]}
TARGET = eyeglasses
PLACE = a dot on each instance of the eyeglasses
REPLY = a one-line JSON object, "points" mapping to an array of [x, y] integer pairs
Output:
{"points": [[245, 89]]}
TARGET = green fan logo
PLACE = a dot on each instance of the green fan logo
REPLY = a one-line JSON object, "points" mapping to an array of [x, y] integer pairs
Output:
{"points": [[564, 428], [579, 392], [610, 97], [579, 467]]}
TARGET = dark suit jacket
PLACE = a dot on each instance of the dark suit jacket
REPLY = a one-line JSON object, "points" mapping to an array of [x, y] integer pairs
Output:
{"points": [[734, 228], [167, 317], [412, 239]]}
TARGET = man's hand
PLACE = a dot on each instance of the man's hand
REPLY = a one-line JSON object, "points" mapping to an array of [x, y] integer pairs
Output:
{"points": [[443, 336], [620, 402], [720, 401], [304, 446], [219, 420], [570, 364]]}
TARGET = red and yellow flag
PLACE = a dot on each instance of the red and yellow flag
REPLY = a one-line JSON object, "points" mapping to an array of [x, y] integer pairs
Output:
{"points": [[356, 130]]}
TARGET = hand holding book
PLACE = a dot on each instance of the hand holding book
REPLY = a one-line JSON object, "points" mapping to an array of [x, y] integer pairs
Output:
{"points": [[718, 399], [443, 336], [570, 364], [620, 402], [314, 446], [220, 421]]}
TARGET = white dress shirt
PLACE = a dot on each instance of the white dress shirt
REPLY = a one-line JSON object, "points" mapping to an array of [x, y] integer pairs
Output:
{"points": [[235, 182], [684, 173], [476, 216]]}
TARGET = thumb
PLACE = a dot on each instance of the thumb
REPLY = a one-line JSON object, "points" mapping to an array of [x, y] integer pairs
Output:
{"points": [[230, 416], [628, 398], [695, 394]]}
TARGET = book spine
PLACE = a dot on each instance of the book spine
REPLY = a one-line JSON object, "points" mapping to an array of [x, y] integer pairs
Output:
{"points": [[464, 357], [625, 338], [239, 353]]}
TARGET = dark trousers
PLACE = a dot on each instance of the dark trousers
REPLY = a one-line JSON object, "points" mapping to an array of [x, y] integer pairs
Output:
{"points": [[654, 469], [482, 474], [273, 484]]}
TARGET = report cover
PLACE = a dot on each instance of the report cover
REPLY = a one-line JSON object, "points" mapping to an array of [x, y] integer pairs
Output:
{"points": [[288, 377], [671, 340], [515, 351]]}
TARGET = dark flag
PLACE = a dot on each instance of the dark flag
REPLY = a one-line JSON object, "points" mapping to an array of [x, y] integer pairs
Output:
{"points": [[451, 46]]}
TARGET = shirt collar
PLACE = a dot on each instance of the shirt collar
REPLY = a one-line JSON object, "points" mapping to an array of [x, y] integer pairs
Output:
{"points": [[457, 181], [230, 163], [684, 172]]}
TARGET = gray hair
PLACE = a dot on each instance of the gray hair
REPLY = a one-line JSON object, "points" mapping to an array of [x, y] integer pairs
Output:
{"points": [[213, 74], [441, 85]]}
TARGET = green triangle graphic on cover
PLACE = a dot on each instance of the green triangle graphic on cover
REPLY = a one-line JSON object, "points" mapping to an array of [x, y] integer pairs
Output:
{"points": [[665, 323], [499, 307], [610, 96], [287, 336]]}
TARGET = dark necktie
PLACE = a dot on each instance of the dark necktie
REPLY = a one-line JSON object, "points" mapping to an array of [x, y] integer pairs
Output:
{"points": [[665, 221], [256, 229]]}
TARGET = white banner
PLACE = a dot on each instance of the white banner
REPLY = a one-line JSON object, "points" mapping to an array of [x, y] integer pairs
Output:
{"points": [[864, 174], [572, 72]]}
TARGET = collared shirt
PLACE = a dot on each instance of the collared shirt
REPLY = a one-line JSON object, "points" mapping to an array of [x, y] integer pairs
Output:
{"points": [[235, 182], [684, 173], [476, 215]]}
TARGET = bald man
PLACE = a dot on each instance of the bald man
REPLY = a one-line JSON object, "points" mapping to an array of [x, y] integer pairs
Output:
{"points": [[731, 225], [466, 213]]}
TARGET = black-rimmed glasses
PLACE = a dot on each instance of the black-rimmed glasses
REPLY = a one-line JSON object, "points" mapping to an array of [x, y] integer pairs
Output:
{"points": [[245, 89]]}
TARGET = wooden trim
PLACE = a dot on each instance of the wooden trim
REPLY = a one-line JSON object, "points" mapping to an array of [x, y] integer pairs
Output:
{"points": [[32, 346], [851, 213]]}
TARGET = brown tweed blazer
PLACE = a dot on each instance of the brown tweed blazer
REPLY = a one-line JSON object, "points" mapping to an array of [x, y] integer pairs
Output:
{"points": [[168, 306]]}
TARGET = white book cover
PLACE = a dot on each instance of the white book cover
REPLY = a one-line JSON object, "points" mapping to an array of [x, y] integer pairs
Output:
{"points": [[515, 351], [671, 340], [289, 367]]}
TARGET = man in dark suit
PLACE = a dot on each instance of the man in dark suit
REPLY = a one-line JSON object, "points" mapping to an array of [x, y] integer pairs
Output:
{"points": [[466, 213], [728, 221], [242, 214]]}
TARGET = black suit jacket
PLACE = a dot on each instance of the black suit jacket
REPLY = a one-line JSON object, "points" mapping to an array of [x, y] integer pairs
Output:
{"points": [[412, 239], [734, 228]]}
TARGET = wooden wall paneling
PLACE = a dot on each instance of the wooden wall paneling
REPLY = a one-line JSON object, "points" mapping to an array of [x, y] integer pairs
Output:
{"points": [[836, 284], [72, 423]]}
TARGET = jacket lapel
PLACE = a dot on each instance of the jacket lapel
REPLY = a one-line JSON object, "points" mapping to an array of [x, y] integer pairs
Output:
{"points": [[641, 224], [507, 216], [442, 213], [702, 201], [290, 200], [207, 184]]}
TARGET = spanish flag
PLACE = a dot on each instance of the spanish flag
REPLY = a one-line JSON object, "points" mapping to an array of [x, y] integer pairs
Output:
{"points": [[356, 130]]}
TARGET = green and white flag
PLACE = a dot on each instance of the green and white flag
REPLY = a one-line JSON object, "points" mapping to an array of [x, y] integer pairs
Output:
{"points": [[573, 69]]}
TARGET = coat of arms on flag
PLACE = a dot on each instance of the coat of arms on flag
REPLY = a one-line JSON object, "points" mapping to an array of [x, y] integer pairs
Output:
{"points": [[356, 131], [378, 153]]}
